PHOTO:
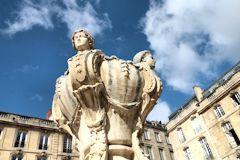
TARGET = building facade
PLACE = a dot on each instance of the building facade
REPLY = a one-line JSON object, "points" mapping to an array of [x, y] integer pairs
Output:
{"points": [[28, 138], [155, 142], [208, 125]]}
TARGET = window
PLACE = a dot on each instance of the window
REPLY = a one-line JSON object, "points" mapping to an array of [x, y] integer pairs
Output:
{"points": [[196, 125], [67, 144], [181, 135], [17, 157], [142, 148], [20, 139], [157, 136], [149, 152], [236, 98], [1, 130], [146, 135], [43, 143], [161, 154], [41, 158], [231, 135], [219, 111], [206, 149], [66, 158], [187, 153], [167, 139], [172, 155], [141, 140]]}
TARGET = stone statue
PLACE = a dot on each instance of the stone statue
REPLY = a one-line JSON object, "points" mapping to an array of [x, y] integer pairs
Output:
{"points": [[103, 101]]}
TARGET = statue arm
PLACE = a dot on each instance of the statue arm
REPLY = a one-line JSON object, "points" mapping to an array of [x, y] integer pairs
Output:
{"points": [[64, 104], [151, 92]]}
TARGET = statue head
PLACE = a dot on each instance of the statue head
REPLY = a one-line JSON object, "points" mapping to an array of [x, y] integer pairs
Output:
{"points": [[145, 57], [82, 40]]}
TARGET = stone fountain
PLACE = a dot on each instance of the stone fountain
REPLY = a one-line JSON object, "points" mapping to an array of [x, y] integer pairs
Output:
{"points": [[103, 101]]}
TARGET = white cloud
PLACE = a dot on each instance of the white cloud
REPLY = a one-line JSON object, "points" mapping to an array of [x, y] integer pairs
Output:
{"points": [[28, 68], [160, 112], [83, 17], [37, 97], [29, 15], [41, 13], [191, 39], [120, 38]]}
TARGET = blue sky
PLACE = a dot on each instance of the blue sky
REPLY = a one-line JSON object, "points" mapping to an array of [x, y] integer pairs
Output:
{"points": [[193, 42]]}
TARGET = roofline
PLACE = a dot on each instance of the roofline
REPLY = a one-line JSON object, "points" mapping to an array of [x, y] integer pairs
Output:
{"points": [[182, 107], [25, 116], [235, 69], [155, 124]]}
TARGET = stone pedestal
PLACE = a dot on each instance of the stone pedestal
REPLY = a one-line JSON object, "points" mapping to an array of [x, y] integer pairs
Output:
{"points": [[120, 152]]}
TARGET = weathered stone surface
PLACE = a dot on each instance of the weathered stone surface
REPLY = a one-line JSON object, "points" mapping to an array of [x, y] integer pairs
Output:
{"points": [[103, 101]]}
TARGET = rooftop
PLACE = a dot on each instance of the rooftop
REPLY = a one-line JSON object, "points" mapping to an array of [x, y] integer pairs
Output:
{"points": [[22, 120], [210, 90]]}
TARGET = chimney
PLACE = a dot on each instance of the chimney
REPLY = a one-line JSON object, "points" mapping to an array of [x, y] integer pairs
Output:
{"points": [[49, 114], [198, 92]]}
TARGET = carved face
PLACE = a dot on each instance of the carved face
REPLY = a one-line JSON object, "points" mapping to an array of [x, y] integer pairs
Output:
{"points": [[81, 41], [150, 61]]}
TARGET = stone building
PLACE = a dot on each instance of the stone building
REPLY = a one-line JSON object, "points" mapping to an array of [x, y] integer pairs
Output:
{"points": [[28, 138], [155, 142], [208, 125]]}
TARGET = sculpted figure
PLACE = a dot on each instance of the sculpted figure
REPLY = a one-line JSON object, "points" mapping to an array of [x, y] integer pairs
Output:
{"points": [[103, 101]]}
